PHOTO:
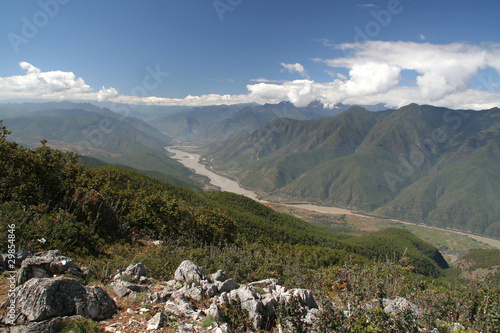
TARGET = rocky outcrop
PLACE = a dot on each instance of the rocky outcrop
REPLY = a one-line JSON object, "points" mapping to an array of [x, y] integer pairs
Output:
{"points": [[17, 258], [54, 325], [188, 272], [125, 288], [133, 273], [46, 295], [400, 304], [41, 299], [47, 298], [192, 287], [46, 265]]}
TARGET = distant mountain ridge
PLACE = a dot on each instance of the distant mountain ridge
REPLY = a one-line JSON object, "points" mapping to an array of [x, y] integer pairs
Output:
{"points": [[97, 132], [418, 163], [215, 123]]}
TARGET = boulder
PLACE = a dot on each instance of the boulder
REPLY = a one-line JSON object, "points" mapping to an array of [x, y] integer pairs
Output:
{"points": [[269, 303], [220, 276], [223, 328], [399, 304], [214, 311], [124, 288], [188, 272], [228, 286], [209, 289], [54, 325], [267, 283], [305, 297], [158, 321], [135, 271], [46, 264], [194, 293], [159, 296], [180, 307], [42, 299], [251, 301]]}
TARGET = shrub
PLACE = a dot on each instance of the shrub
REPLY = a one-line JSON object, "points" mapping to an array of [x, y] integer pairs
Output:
{"points": [[81, 325]]}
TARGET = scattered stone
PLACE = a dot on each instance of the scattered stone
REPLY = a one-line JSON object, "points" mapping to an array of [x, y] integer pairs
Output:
{"points": [[186, 328], [158, 321], [135, 271], [159, 296], [224, 328], [457, 327], [220, 276], [124, 288], [214, 311]]}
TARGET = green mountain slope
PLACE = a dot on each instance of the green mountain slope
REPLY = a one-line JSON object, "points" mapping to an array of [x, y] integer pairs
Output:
{"points": [[419, 163], [78, 209], [98, 132], [214, 123]]}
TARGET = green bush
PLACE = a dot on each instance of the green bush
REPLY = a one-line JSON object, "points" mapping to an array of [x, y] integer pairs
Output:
{"points": [[81, 325]]}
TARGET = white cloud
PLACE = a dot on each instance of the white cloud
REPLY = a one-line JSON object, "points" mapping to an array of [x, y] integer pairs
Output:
{"points": [[38, 84], [422, 37], [106, 94], [443, 78], [367, 5], [292, 68]]}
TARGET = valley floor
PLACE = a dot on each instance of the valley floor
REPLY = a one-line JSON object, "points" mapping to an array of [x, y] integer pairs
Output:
{"points": [[192, 160]]}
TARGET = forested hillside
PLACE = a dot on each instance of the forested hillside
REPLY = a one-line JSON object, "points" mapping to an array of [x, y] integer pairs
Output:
{"points": [[418, 163], [108, 204], [107, 217], [95, 132]]}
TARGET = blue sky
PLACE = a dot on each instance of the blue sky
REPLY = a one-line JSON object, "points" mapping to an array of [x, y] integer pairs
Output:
{"points": [[230, 51]]}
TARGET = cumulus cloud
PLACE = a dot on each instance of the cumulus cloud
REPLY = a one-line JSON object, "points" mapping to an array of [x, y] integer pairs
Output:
{"points": [[292, 68], [443, 78], [458, 75], [38, 84], [106, 94]]}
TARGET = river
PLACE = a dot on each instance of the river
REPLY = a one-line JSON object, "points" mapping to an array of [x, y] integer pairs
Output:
{"points": [[192, 161]]}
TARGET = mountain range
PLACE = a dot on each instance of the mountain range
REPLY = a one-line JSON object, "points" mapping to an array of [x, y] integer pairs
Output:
{"points": [[96, 132], [418, 163], [215, 123]]}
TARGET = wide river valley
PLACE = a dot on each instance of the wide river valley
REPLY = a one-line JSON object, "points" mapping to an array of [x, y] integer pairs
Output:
{"points": [[192, 161]]}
